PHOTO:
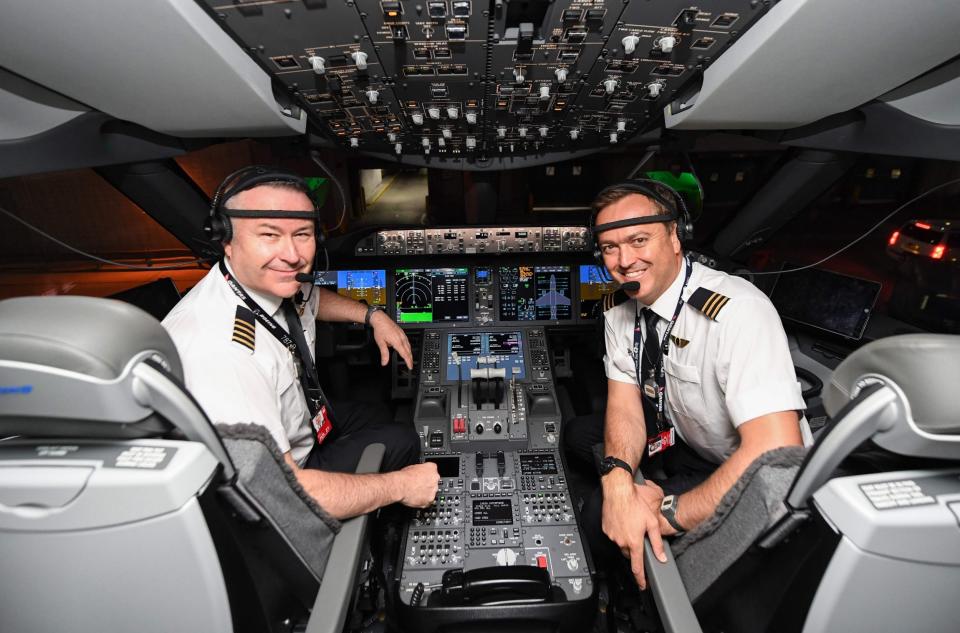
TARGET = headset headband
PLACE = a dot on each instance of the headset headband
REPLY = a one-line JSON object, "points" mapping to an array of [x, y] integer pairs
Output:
{"points": [[270, 213], [643, 219]]}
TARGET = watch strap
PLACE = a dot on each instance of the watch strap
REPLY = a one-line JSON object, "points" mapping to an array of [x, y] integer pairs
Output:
{"points": [[613, 462], [370, 310], [668, 508]]}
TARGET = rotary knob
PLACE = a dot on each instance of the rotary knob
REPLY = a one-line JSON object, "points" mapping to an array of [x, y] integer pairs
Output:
{"points": [[417, 118], [610, 85], [667, 43], [318, 64], [452, 112], [372, 95], [561, 74], [630, 44]]}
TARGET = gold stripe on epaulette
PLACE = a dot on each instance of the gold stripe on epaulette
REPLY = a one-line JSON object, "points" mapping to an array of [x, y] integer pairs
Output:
{"points": [[243, 326], [719, 306], [710, 303]]}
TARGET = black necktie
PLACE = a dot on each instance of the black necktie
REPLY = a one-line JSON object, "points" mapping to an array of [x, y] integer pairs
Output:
{"points": [[648, 362]]}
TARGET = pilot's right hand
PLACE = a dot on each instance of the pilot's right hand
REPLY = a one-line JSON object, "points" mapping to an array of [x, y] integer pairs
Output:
{"points": [[626, 519], [418, 484]]}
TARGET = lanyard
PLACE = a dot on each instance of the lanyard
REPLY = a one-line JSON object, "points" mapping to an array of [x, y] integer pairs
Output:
{"points": [[657, 371], [307, 373]]}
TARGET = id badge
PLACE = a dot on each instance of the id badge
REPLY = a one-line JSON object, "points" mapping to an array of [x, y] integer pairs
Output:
{"points": [[661, 442], [321, 424]]}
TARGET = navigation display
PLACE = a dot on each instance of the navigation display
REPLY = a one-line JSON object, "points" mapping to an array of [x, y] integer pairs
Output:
{"points": [[593, 285], [847, 311], [432, 295], [535, 293], [363, 285], [477, 350]]}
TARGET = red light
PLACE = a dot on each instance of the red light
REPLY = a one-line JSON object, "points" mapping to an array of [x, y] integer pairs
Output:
{"points": [[894, 238], [921, 225], [938, 252]]}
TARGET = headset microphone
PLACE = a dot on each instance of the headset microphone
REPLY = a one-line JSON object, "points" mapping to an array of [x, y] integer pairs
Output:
{"points": [[309, 278], [630, 286]]}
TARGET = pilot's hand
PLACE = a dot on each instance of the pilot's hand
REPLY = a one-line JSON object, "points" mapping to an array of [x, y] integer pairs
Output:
{"points": [[652, 495], [627, 517], [388, 334], [418, 484]]}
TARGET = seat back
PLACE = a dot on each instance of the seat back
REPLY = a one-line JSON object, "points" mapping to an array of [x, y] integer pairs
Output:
{"points": [[108, 522], [753, 505], [793, 546]]}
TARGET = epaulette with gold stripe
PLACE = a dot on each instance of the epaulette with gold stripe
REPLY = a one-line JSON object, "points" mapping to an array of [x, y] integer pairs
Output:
{"points": [[708, 302], [613, 299], [245, 328]]}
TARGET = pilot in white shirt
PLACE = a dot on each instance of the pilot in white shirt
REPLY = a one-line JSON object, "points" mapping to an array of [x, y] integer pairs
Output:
{"points": [[711, 391], [244, 364], [722, 369], [237, 370]]}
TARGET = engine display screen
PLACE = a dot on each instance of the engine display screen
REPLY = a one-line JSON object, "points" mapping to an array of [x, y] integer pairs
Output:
{"points": [[535, 293], [362, 285], [492, 512], [432, 295]]}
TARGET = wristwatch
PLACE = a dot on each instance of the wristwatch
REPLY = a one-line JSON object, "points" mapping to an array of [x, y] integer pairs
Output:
{"points": [[668, 508], [370, 311], [608, 463]]}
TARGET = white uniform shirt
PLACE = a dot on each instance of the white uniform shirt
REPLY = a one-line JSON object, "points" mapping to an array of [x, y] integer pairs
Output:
{"points": [[731, 370], [233, 383]]}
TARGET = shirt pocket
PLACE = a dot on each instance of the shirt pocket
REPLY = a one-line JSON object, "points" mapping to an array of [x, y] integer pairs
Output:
{"points": [[684, 389]]}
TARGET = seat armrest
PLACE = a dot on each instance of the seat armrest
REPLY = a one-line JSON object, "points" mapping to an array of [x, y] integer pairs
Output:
{"points": [[676, 611], [330, 608], [673, 603]]}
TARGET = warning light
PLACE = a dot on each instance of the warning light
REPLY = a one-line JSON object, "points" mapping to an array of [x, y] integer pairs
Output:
{"points": [[921, 225], [938, 252], [894, 237]]}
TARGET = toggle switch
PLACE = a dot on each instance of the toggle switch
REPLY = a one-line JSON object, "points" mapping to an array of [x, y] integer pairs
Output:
{"points": [[544, 130]]}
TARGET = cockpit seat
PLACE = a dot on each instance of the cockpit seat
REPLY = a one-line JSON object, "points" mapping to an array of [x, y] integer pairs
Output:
{"points": [[121, 508], [746, 511], [820, 551]]}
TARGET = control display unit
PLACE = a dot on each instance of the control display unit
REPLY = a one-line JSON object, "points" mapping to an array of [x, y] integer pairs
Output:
{"points": [[432, 295], [594, 284], [535, 293], [369, 286]]}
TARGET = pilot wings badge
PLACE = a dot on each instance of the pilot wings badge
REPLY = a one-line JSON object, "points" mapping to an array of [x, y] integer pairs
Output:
{"points": [[679, 342]]}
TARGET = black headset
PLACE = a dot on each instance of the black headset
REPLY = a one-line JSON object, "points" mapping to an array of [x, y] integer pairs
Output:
{"points": [[217, 226], [665, 195]]}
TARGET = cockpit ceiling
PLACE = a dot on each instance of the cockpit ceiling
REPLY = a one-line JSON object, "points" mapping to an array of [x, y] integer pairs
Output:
{"points": [[466, 84]]}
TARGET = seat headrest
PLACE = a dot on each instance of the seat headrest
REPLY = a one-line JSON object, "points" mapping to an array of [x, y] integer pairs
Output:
{"points": [[923, 366], [87, 335]]}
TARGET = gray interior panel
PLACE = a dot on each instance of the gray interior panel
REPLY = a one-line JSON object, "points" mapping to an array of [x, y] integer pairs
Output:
{"points": [[808, 59], [933, 97], [164, 64], [29, 109]]}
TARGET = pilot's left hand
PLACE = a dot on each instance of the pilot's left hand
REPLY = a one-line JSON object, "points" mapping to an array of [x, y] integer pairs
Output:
{"points": [[388, 334]]}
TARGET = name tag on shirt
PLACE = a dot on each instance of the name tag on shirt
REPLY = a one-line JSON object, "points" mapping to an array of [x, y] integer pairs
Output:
{"points": [[661, 442], [322, 425]]}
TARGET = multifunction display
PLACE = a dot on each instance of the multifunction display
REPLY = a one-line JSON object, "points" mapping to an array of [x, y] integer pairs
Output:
{"points": [[432, 295], [475, 350], [535, 293], [362, 285], [594, 283]]}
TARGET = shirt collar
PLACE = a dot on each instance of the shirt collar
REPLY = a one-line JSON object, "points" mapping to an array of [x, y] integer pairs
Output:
{"points": [[666, 303], [269, 303]]}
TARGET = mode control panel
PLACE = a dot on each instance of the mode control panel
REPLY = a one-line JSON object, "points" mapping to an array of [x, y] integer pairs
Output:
{"points": [[476, 241]]}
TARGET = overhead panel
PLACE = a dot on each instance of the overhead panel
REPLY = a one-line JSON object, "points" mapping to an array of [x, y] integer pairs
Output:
{"points": [[469, 83]]}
